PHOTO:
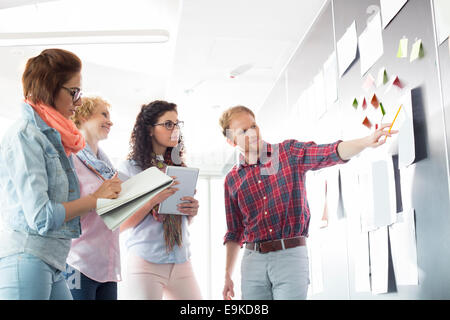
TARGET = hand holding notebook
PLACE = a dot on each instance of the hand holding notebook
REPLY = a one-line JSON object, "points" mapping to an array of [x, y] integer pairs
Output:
{"points": [[187, 178], [136, 191]]}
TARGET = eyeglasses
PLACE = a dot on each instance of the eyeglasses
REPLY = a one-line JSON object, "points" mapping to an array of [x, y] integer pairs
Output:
{"points": [[75, 93], [169, 125]]}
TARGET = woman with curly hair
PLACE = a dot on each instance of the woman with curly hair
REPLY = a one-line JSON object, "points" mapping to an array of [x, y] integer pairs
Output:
{"points": [[158, 245]]}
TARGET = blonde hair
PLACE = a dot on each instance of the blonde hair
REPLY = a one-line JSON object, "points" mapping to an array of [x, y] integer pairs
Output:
{"points": [[87, 108], [228, 114]]}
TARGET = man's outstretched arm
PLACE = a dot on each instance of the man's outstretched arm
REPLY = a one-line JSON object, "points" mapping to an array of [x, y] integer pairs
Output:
{"points": [[349, 149]]}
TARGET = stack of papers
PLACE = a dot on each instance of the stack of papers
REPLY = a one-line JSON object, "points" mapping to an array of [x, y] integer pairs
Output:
{"points": [[136, 191]]}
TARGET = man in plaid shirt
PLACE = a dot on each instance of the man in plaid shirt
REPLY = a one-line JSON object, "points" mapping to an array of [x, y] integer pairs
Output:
{"points": [[267, 209]]}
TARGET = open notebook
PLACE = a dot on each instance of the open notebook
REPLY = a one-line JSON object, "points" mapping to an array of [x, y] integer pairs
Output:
{"points": [[136, 191]]}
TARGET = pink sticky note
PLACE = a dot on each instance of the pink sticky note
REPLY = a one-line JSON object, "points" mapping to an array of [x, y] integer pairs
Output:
{"points": [[369, 83], [364, 104]]}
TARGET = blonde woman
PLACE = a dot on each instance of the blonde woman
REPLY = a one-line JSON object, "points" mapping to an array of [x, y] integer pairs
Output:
{"points": [[93, 268]]}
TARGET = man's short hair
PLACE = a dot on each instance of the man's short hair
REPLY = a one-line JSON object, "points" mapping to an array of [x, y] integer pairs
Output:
{"points": [[228, 114]]}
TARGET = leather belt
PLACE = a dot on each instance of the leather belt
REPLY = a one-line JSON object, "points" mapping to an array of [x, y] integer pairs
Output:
{"points": [[275, 245]]}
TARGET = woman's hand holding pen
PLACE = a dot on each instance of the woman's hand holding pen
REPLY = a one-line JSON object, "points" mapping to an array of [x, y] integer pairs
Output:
{"points": [[109, 189]]}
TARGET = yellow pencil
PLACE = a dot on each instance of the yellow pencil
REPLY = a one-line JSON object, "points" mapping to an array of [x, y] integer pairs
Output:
{"points": [[394, 120]]}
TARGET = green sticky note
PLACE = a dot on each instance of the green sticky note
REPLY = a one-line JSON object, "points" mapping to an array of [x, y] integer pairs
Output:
{"points": [[382, 77], [355, 103], [385, 77], [382, 109], [417, 51], [403, 48]]}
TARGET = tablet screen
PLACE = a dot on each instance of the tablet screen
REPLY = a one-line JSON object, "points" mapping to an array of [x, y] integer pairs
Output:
{"points": [[187, 178]]}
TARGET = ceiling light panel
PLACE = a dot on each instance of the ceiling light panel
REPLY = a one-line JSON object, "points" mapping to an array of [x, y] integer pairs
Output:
{"points": [[68, 15]]}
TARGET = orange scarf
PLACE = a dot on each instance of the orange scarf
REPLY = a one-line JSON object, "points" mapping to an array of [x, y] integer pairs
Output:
{"points": [[71, 138]]}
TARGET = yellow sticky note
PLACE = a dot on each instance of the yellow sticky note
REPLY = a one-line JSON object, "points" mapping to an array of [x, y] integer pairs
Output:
{"points": [[403, 48], [416, 51]]}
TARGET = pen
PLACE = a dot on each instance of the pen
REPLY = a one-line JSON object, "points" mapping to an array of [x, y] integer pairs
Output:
{"points": [[394, 120]]}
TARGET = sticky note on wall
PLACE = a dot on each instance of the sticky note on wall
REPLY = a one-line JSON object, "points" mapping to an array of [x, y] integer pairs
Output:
{"points": [[374, 101], [368, 83], [367, 123], [364, 104], [397, 82], [383, 112], [382, 77], [417, 51], [403, 48]]}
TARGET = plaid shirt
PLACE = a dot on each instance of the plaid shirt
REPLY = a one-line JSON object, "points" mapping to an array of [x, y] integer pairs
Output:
{"points": [[267, 201]]}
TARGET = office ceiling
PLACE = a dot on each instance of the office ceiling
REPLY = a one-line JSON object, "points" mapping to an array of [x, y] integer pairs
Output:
{"points": [[208, 40]]}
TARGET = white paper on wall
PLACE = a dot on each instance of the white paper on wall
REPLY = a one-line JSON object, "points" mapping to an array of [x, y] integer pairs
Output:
{"points": [[319, 90], [442, 14], [384, 197], [379, 260], [402, 236], [351, 197], [371, 44], [362, 267], [406, 144], [347, 48], [311, 103], [330, 76], [333, 192], [366, 197], [389, 9]]}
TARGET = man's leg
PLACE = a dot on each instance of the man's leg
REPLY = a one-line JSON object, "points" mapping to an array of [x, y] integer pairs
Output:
{"points": [[255, 284], [289, 273]]}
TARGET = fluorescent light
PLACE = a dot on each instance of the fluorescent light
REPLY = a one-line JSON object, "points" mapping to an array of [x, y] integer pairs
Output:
{"points": [[83, 37]]}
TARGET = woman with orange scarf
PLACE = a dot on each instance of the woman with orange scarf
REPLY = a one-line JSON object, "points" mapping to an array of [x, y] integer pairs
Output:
{"points": [[41, 204]]}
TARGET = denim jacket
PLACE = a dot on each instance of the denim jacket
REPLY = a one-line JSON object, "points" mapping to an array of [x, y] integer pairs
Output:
{"points": [[36, 176]]}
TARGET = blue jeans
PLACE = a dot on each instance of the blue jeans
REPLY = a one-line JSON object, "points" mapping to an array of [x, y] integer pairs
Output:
{"points": [[84, 288], [277, 275], [26, 277]]}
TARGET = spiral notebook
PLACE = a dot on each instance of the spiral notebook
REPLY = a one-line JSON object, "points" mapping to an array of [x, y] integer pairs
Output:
{"points": [[136, 191]]}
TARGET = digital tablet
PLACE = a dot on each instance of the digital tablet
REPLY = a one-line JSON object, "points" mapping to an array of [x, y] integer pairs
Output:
{"points": [[187, 178]]}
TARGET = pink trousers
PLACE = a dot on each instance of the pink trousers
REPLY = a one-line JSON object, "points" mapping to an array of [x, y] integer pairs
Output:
{"points": [[152, 281]]}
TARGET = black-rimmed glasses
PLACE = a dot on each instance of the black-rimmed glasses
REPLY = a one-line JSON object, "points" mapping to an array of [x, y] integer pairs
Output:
{"points": [[169, 125], [75, 93]]}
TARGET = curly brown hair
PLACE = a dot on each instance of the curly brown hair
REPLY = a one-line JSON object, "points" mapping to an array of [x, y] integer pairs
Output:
{"points": [[141, 147]]}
